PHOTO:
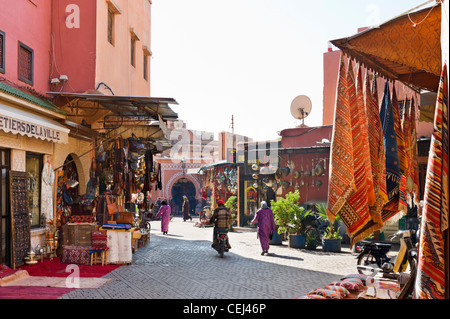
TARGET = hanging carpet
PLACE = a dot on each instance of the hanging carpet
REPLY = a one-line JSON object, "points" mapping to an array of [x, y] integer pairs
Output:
{"points": [[430, 279]]}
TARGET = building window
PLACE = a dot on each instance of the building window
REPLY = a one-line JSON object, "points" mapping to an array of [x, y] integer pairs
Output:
{"points": [[113, 9], [25, 63], [133, 39], [133, 52], [2, 51], [110, 27], [34, 169], [145, 66]]}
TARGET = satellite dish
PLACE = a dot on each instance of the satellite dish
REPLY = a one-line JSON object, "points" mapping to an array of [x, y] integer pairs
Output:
{"points": [[301, 107]]}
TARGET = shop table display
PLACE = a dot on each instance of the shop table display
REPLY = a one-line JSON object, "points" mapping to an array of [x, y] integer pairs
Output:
{"points": [[77, 243], [119, 243]]}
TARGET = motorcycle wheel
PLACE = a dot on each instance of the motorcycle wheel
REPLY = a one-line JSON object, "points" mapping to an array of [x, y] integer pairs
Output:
{"points": [[366, 259], [221, 249]]}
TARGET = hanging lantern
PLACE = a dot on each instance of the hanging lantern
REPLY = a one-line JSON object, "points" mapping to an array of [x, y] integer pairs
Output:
{"points": [[285, 171]]}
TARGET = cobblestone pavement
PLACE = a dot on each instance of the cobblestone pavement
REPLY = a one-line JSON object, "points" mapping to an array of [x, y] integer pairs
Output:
{"points": [[182, 265]]}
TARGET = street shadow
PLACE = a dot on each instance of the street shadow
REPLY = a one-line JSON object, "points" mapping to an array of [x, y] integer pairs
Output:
{"points": [[284, 257], [170, 235]]}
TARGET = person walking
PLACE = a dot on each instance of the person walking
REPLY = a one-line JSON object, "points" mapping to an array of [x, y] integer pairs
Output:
{"points": [[266, 226], [185, 209], [164, 213]]}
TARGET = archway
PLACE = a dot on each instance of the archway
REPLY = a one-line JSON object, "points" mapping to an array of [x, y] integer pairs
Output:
{"points": [[71, 173], [183, 187]]}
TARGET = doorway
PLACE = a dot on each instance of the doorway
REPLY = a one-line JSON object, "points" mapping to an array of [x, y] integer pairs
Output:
{"points": [[183, 187], [5, 215]]}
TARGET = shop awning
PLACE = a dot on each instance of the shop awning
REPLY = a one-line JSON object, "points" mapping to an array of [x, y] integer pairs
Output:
{"points": [[121, 107], [124, 115], [406, 48], [17, 121]]}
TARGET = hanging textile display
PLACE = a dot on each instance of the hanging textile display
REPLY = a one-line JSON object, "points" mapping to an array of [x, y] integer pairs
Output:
{"points": [[403, 163], [376, 146], [430, 279], [355, 212], [48, 179], [410, 185], [351, 189], [414, 154], [390, 145], [341, 176], [365, 140]]}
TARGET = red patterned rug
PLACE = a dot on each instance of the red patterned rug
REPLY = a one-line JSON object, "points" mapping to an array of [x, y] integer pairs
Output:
{"points": [[51, 268], [55, 268]]}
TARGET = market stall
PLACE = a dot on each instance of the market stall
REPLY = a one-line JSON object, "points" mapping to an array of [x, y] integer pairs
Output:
{"points": [[119, 181], [379, 182]]}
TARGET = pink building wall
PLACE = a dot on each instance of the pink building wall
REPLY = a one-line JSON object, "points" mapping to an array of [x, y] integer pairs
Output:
{"points": [[30, 24], [83, 53], [305, 136], [73, 47]]}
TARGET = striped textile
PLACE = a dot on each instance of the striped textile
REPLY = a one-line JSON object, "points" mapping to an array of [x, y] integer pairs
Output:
{"points": [[403, 161], [430, 279], [406, 128], [341, 176], [355, 158], [414, 155], [355, 212], [376, 145], [390, 144], [365, 136]]}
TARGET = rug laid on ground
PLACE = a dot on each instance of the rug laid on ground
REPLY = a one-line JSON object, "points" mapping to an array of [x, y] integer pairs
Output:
{"points": [[51, 279], [58, 282], [55, 268]]}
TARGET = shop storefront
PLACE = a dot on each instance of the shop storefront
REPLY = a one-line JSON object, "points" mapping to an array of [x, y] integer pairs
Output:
{"points": [[257, 178], [111, 195], [29, 138]]}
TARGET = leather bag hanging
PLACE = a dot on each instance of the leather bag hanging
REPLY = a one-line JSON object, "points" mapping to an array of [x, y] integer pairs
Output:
{"points": [[125, 218], [136, 144], [112, 206]]}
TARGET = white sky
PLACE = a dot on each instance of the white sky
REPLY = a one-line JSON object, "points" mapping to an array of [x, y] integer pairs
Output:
{"points": [[251, 58]]}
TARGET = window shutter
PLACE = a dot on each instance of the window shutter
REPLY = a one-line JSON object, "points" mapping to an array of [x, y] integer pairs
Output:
{"points": [[25, 64]]}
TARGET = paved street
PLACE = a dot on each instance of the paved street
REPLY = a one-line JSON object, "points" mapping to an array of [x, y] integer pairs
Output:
{"points": [[182, 265]]}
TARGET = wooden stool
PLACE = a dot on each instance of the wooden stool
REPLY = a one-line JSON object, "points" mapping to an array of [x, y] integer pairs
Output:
{"points": [[98, 256], [145, 238]]}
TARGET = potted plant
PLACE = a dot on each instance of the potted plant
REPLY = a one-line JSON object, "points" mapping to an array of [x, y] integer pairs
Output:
{"points": [[231, 204], [290, 217], [311, 241], [331, 239]]}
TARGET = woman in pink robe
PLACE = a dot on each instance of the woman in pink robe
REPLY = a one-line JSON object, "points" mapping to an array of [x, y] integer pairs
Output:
{"points": [[266, 226], [164, 213]]}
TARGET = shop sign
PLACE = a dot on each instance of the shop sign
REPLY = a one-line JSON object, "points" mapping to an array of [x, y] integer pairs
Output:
{"points": [[17, 126]]}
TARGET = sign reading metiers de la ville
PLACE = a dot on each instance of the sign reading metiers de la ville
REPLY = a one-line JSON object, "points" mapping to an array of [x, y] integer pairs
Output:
{"points": [[24, 128]]}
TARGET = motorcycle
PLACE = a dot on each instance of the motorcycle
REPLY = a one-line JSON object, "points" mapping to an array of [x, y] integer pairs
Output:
{"points": [[373, 259], [221, 242]]}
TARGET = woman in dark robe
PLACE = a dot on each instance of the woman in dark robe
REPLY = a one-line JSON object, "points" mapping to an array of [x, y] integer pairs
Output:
{"points": [[185, 209]]}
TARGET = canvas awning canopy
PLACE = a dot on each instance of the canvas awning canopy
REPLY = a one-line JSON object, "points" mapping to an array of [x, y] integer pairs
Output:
{"points": [[406, 48]]}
